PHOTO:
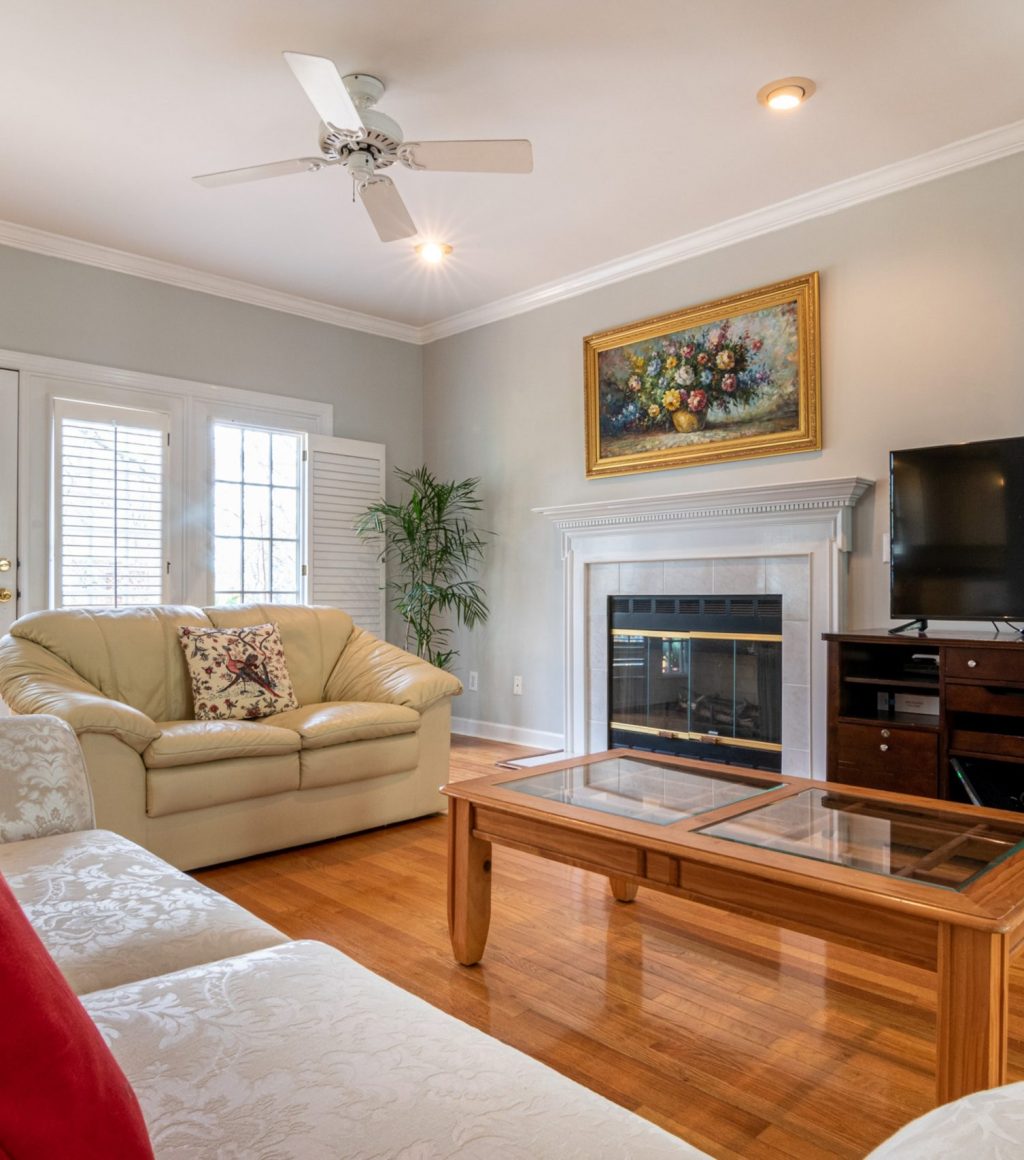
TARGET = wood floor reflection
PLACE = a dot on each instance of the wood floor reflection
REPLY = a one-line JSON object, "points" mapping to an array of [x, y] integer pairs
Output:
{"points": [[747, 1040]]}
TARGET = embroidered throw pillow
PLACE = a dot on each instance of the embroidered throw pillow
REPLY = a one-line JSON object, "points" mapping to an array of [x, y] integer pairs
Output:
{"points": [[237, 672]]}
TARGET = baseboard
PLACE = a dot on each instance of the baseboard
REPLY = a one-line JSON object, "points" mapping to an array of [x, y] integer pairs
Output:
{"points": [[493, 731]]}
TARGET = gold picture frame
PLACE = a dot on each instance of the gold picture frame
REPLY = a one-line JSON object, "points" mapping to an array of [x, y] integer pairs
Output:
{"points": [[737, 378]]}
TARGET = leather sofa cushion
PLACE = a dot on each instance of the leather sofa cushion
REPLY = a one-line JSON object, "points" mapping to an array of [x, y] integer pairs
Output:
{"points": [[111, 913], [213, 783], [313, 638], [332, 723], [128, 654], [358, 761], [188, 742]]}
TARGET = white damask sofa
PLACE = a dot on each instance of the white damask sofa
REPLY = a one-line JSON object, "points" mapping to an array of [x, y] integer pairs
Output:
{"points": [[241, 1043], [367, 746]]}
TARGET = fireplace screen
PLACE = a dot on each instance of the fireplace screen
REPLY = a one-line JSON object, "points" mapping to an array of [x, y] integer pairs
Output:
{"points": [[699, 676]]}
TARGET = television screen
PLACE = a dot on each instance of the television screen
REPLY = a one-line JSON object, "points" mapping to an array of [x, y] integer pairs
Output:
{"points": [[957, 525]]}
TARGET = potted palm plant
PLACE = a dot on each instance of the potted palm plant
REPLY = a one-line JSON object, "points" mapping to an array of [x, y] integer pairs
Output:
{"points": [[432, 548]]}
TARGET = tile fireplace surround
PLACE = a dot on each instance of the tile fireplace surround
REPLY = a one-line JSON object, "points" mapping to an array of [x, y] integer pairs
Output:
{"points": [[792, 540]]}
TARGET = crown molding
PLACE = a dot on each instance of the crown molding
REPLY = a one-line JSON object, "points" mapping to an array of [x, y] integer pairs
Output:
{"points": [[948, 159], [186, 278]]}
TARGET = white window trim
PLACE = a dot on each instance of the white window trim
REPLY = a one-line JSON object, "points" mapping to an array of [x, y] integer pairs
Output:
{"points": [[42, 379]]}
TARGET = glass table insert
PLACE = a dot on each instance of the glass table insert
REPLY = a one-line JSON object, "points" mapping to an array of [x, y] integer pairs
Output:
{"points": [[647, 791], [918, 845]]}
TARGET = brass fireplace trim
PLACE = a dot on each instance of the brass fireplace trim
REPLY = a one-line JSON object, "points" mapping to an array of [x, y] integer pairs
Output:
{"points": [[708, 738], [671, 634]]}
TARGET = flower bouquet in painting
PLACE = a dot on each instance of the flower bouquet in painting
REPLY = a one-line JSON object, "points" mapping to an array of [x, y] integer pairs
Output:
{"points": [[734, 383]]}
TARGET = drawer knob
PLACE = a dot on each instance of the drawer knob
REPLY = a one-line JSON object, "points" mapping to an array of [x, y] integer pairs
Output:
{"points": [[884, 748], [972, 663], [885, 733]]}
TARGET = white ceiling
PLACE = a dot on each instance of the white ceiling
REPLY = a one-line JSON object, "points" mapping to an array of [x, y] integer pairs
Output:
{"points": [[642, 116]]}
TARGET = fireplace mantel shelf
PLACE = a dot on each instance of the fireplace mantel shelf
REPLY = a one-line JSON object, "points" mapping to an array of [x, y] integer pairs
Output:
{"points": [[814, 495]]}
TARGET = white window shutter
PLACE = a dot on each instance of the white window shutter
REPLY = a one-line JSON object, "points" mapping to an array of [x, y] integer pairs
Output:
{"points": [[345, 476], [110, 526]]}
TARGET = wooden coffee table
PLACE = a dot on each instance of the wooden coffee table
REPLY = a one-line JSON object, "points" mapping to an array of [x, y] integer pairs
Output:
{"points": [[931, 883]]}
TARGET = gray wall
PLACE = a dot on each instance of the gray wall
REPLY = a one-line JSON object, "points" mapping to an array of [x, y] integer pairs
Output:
{"points": [[67, 310], [921, 298]]}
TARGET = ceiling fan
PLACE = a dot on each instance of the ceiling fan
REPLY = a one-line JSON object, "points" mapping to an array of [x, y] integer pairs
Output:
{"points": [[372, 144]]}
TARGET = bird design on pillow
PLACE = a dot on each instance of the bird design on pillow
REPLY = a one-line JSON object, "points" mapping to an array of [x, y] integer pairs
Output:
{"points": [[248, 670]]}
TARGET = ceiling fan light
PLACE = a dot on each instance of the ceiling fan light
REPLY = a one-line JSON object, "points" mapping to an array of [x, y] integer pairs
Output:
{"points": [[787, 93], [434, 253]]}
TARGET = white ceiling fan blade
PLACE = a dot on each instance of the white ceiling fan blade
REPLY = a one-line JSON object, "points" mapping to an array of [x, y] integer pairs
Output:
{"points": [[469, 156], [387, 211], [258, 172], [325, 88]]}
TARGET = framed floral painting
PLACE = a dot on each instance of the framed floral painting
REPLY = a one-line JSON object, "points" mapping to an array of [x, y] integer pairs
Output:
{"points": [[732, 379]]}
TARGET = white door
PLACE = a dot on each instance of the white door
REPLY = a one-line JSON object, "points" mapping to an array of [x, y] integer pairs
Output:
{"points": [[8, 503], [8, 499]]}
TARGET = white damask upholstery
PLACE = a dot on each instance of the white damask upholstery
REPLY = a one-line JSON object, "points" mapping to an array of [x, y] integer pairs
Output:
{"points": [[984, 1126], [44, 788], [298, 1053], [109, 912]]}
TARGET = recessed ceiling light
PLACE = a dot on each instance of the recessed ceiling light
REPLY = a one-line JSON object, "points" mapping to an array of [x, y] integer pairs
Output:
{"points": [[433, 252], [786, 93]]}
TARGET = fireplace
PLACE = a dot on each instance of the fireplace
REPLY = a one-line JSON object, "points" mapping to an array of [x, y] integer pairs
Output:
{"points": [[697, 676]]}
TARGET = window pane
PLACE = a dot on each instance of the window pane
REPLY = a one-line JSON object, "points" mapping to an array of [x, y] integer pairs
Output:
{"points": [[286, 459], [256, 566], [260, 514], [227, 510], [256, 511], [286, 572], [256, 456], [227, 452], [228, 564], [286, 513]]}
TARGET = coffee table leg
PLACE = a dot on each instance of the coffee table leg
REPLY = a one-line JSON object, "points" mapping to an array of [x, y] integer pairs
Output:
{"points": [[623, 889], [974, 972], [469, 885]]}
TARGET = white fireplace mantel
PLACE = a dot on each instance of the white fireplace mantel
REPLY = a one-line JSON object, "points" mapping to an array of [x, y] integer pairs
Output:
{"points": [[808, 524]]}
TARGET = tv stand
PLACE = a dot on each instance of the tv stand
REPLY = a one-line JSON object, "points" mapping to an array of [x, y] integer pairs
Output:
{"points": [[901, 709], [921, 624]]}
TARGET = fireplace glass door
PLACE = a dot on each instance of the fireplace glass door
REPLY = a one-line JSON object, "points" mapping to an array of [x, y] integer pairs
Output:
{"points": [[710, 691]]}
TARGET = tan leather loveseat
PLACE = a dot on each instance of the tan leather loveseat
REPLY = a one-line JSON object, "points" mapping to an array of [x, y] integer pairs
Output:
{"points": [[368, 745]]}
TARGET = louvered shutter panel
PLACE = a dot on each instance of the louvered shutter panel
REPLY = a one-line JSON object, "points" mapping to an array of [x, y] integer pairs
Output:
{"points": [[345, 476], [109, 506]]}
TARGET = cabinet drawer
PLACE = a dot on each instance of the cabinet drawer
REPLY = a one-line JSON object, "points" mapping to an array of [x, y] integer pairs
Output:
{"points": [[1008, 745], [883, 757], [985, 664], [979, 699]]}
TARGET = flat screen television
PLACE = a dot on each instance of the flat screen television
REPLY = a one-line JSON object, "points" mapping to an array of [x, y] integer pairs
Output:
{"points": [[957, 527]]}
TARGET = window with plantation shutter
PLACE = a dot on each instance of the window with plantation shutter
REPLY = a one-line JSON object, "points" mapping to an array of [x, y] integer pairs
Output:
{"points": [[344, 477], [109, 505]]}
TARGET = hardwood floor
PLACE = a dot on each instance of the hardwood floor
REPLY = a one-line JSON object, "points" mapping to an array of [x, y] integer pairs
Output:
{"points": [[745, 1039]]}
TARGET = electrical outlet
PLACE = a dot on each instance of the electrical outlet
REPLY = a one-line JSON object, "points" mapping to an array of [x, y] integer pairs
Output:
{"points": [[474, 682], [517, 686]]}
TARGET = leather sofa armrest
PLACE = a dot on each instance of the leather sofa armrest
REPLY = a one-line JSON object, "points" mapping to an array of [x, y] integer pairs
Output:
{"points": [[33, 680], [370, 669]]}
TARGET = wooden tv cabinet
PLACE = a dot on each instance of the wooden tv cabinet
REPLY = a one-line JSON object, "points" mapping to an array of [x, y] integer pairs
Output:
{"points": [[972, 686]]}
